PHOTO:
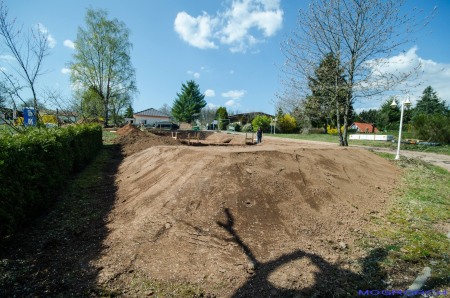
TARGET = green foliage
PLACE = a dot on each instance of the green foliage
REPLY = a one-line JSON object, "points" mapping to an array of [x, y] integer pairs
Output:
{"points": [[388, 117], [102, 63], [221, 116], [430, 103], [237, 126], [34, 166], [117, 105], [188, 103], [410, 225], [435, 127], [262, 121], [328, 88], [92, 106], [129, 112], [287, 124], [369, 116]]}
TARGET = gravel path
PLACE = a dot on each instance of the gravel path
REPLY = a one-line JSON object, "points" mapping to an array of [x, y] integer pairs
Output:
{"points": [[440, 160]]}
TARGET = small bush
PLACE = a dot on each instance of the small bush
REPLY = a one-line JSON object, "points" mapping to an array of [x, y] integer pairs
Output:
{"points": [[262, 121], [237, 126], [334, 131], [287, 124], [434, 128]]}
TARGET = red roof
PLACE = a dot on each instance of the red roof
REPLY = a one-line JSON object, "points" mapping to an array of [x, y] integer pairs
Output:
{"points": [[364, 127]]}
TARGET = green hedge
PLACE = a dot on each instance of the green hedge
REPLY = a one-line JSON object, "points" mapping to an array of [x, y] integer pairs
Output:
{"points": [[35, 165]]}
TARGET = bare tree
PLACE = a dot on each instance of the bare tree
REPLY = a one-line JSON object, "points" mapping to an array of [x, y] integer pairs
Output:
{"points": [[67, 109], [166, 109], [362, 35], [207, 115], [25, 50]]}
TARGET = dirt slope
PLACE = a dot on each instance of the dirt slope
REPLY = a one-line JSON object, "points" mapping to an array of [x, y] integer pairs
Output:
{"points": [[265, 220]]}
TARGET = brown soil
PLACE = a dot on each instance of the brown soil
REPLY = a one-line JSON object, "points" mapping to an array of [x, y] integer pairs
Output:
{"points": [[279, 219], [134, 140], [272, 219]]}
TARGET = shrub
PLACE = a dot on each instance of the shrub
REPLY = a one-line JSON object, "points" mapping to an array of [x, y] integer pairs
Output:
{"points": [[334, 131], [35, 165], [262, 121], [432, 127], [287, 124], [237, 126]]}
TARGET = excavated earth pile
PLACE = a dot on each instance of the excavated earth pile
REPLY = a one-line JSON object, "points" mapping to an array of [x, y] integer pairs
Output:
{"points": [[134, 140], [267, 220]]}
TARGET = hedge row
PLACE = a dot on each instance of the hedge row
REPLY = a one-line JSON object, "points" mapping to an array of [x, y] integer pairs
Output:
{"points": [[35, 165]]}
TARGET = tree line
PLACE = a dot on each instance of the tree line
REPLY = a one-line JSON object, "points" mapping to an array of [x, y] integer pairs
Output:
{"points": [[429, 119]]}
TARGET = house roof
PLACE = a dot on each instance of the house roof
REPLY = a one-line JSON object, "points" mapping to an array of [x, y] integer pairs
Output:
{"points": [[151, 112], [363, 127]]}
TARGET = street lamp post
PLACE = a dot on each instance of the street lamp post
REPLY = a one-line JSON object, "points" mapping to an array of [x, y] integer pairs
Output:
{"points": [[404, 103], [274, 122]]}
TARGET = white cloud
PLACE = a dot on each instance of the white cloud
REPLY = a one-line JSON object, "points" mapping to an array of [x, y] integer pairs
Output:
{"points": [[234, 94], [51, 41], [195, 74], [65, 70], [68, 43], [232, 27], [245, 15], [428, 73], [231, 103], [195, 31], [210, 93], [231, 72]]}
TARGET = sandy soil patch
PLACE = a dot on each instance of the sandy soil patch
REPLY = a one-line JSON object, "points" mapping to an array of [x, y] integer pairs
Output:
{"points": [[264, 220]]}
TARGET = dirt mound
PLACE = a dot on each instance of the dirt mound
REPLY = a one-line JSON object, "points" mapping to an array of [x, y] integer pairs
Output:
{"points": [[224, 138], [256, 220], [134, 140], [126, 129]]}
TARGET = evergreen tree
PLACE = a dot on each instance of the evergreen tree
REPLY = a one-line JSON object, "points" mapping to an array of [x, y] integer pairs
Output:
{"points": [[388, 117], [129, 112], [188, 103], [369, 116], [221, 115], [328, 93], [430, 103]]}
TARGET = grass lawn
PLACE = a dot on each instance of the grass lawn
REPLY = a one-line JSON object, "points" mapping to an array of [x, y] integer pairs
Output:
{"points": [[443, 149], [108, 137], [413, 234]]}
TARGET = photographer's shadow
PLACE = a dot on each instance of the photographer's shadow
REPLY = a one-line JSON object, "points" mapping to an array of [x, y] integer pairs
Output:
{"points": [[330, 280]]}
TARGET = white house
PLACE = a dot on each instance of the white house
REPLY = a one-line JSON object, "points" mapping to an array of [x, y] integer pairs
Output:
{"points": [[149, 117]]}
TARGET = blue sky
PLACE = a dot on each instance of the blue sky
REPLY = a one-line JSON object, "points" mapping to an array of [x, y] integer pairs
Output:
{"points": [[231, 48]]}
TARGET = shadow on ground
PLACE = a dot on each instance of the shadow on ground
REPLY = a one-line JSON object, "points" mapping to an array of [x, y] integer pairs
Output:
{"points": [[53, 257], [330, 280]]}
